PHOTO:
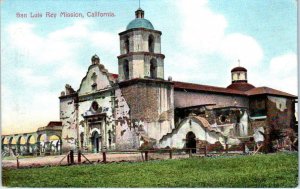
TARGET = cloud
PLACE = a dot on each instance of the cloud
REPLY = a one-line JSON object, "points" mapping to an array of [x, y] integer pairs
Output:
{"points": [[32, 79], [45, 63], [202, 29], [283, 73], [203, 37], [238, 46], [283, 65]]}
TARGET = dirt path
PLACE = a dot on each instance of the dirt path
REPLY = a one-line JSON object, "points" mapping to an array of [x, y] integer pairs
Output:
{"points": [[93, 157]]}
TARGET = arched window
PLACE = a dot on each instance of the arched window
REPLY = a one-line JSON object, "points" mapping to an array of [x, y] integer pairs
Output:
{"points": [[126, 69], [126, 46], [153, 68], [151, 43]]}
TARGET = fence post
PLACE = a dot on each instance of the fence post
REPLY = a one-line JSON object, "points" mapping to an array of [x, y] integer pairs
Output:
{"points": [[104, 157], [205, 150], [79, 156], [71, 157], [170, 153], [68, 158], [146, 155], [190, 153], [18, 164], [226, 148], [244, 147]]}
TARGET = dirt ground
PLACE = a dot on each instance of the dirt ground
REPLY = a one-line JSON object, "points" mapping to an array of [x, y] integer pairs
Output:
{"points": [[41, 161]]}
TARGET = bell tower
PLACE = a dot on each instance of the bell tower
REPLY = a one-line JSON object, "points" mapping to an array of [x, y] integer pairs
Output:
{"points": [[140, 50], [142, 86]]}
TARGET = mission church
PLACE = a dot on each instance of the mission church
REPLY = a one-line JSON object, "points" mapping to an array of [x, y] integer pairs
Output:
{"points": [[138, 107]]}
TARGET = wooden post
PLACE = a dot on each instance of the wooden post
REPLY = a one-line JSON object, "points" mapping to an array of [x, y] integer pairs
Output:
{"points": [[170, 153], [205, 150], [244, 147], [71, 157], [68, 159], [190, 153], [104, 157], [226, 148], [146, 155], [18, 164], [79, 156]]}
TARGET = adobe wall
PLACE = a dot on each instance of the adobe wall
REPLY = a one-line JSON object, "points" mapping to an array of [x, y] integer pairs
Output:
{"points": [[280, 112], [191, 98], [151, 105], [126, 131]]}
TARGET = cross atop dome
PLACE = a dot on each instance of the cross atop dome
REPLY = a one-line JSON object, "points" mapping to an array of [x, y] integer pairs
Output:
{"points": [[139, 13], [140, 21]]}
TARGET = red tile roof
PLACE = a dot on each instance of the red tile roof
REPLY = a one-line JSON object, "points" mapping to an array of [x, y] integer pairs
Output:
{"points": [[251, 92], [197, 87], [238, 69], [54, 123], [241, 86], [267, 90]]}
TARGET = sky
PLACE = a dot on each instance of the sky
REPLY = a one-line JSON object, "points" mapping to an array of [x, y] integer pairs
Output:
{"points": [[202, 41]]}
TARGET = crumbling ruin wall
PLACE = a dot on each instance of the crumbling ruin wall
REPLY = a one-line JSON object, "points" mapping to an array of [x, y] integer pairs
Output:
{"points": [[280, 112], [280, 115], [232, 121], [177, 139], [190, 98], [257, 106], [68, 119], [126, 132], [151, 103]]}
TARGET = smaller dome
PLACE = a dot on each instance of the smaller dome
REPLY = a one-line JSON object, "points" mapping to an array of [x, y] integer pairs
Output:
{"points": [[236, 69], [140, 23]]}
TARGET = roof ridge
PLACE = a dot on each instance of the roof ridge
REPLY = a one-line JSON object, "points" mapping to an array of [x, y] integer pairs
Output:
{"points": [[206, 88]]}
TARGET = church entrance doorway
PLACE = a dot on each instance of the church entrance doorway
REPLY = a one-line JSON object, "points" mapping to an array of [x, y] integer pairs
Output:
{"points": [[96, 141], [191, 141]]}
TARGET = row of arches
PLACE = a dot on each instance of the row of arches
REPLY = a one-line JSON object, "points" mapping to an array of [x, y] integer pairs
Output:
{"points": [[31, 145], [151, 42], [152, 69]]}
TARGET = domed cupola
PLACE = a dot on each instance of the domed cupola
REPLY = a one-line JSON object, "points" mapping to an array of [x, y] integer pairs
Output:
{"points": [[140, 51], [239, 79], [140, 21]]}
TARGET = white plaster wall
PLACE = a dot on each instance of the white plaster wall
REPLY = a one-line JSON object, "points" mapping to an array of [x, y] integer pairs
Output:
{"points": [[101, 81], [138, 68], [105, 102], [244, 125], [177, 138], [138, 43], [68, 119]]}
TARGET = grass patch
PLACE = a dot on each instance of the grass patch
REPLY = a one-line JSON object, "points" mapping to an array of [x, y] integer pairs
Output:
{"points": [[271, 170]]}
